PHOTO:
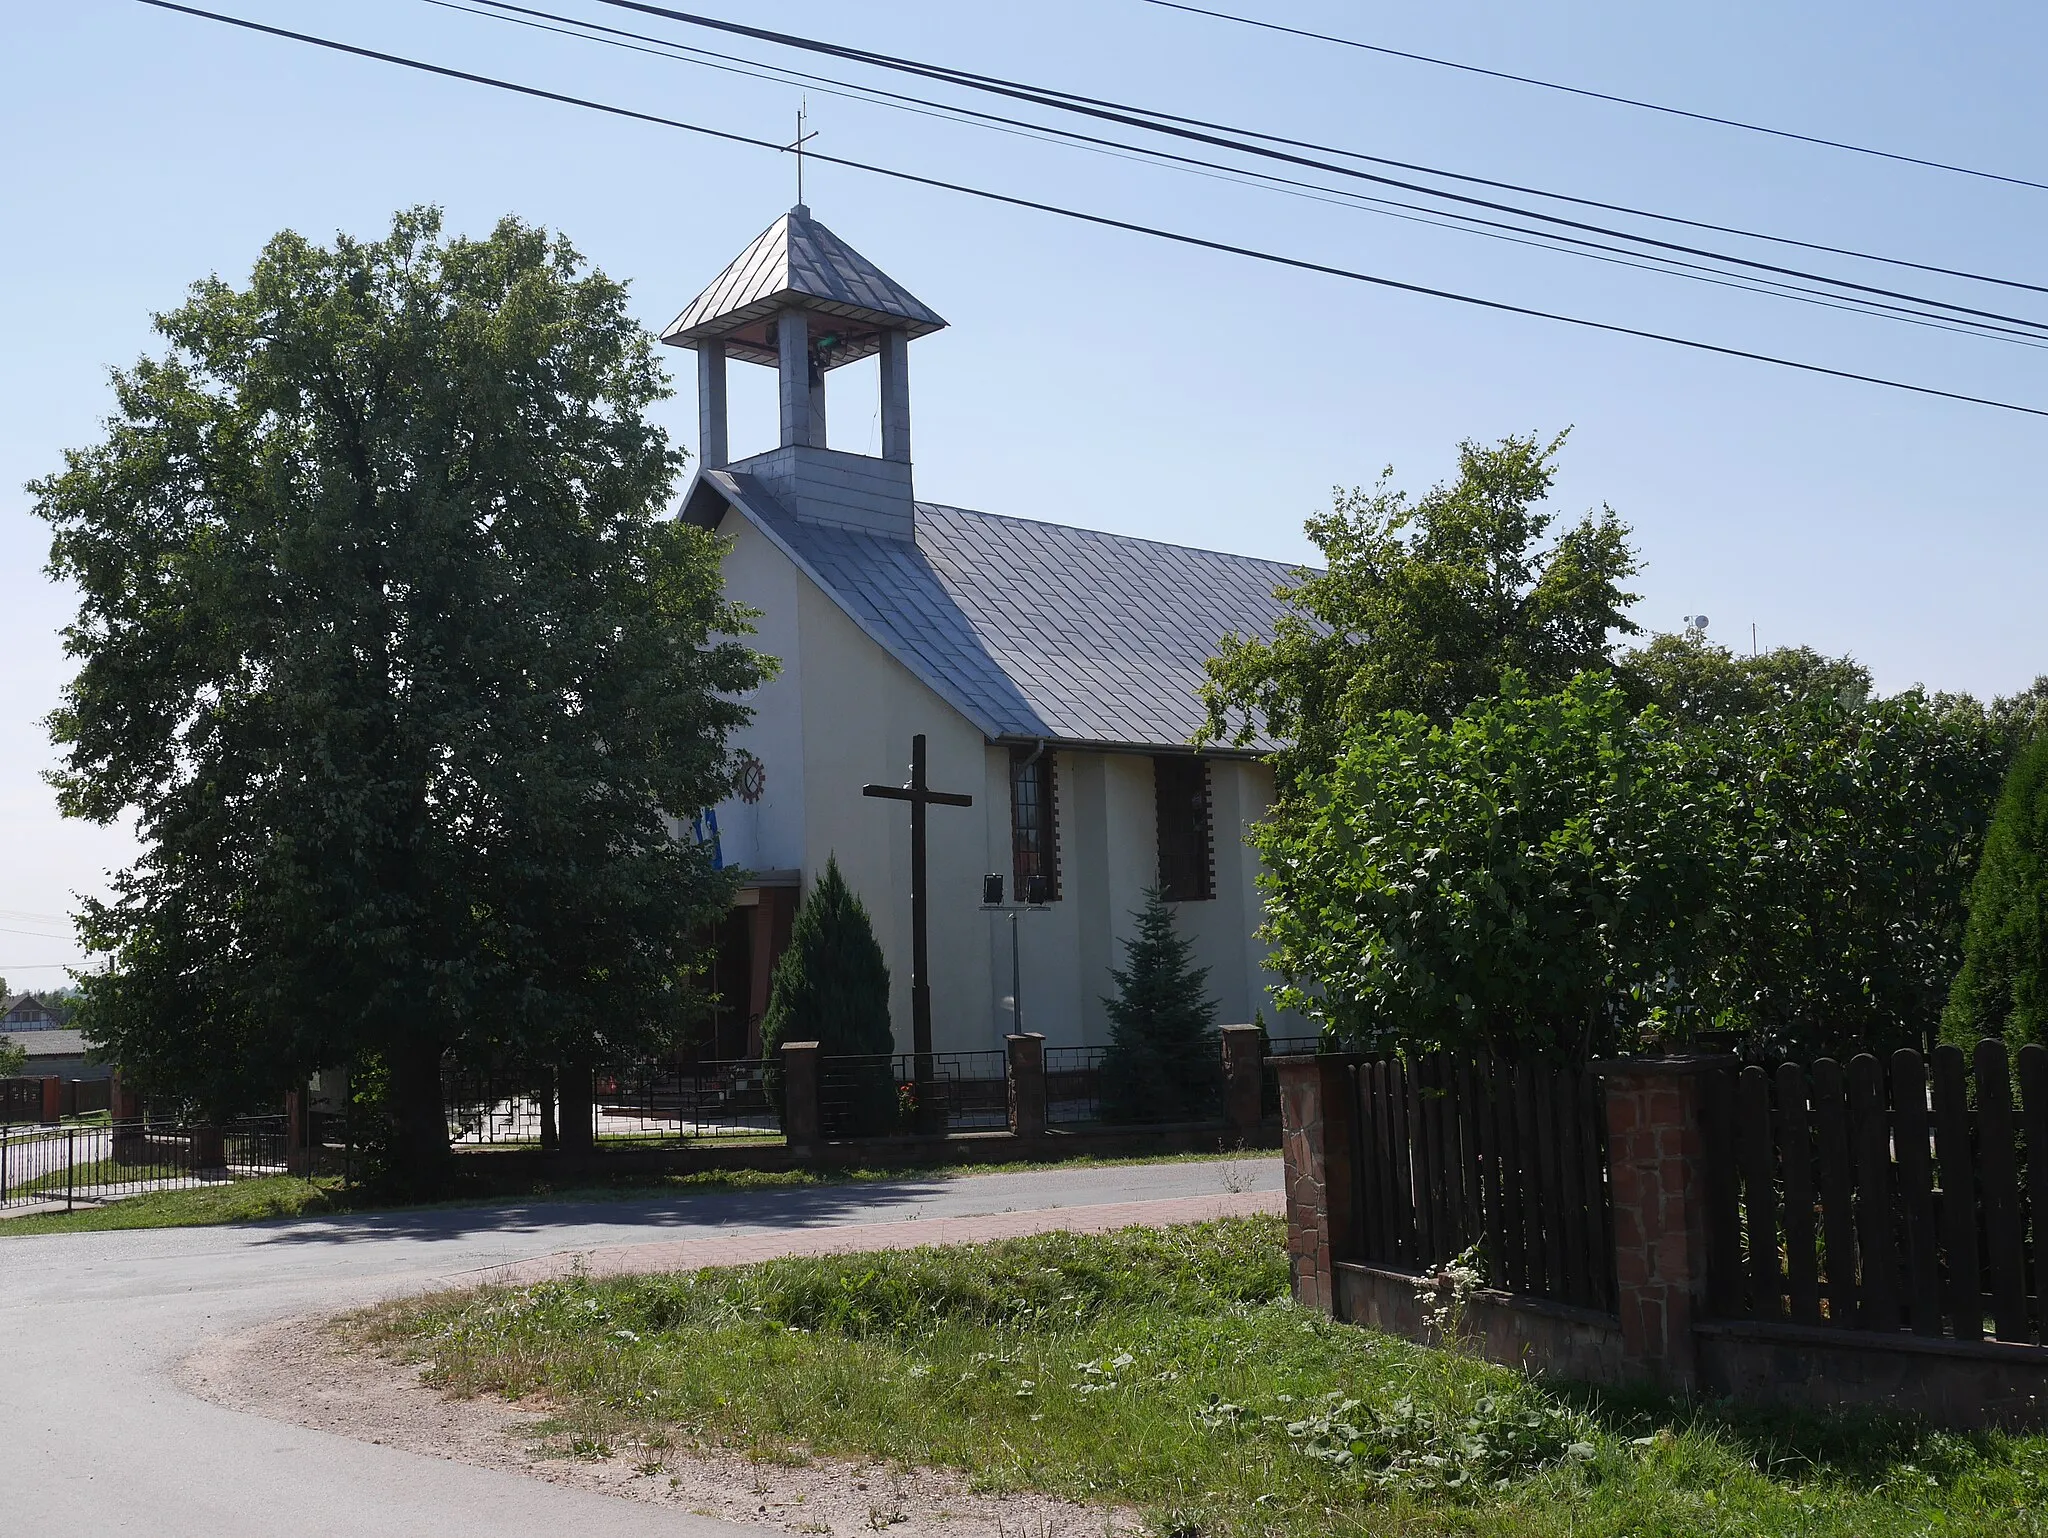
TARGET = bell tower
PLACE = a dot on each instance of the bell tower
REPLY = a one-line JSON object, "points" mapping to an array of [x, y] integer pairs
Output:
{"points": [[801, 301]]}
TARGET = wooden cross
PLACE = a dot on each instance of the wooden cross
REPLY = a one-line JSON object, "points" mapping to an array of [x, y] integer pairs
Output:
{"points": [[920, 795]]}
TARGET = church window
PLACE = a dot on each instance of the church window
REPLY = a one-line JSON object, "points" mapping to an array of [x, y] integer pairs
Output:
{"points": [[1187, 864], [1034, 821]]}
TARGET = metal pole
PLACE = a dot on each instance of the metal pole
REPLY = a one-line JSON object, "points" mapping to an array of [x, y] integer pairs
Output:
{"points": [[70, 1164], [1016, 981]]}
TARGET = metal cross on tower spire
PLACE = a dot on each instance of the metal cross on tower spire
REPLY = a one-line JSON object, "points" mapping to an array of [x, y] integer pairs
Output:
{"points": [[797, 144]]}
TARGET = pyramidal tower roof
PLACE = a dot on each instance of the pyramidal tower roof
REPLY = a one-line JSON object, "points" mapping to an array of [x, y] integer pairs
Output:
{"points": [[796, 261]]}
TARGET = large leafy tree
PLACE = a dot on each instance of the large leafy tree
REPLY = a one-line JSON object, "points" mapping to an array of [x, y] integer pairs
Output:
{"points": [[1424, 605], [384, 644], [1698, 683]]}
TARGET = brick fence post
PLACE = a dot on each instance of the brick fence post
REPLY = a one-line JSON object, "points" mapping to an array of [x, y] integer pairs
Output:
{"points": [[802, 1126], [1027, 1083], [209, 1147], [124, 1110], [1244, 1062], [1318, 1113], [298, 1134], [1658, 1181]]}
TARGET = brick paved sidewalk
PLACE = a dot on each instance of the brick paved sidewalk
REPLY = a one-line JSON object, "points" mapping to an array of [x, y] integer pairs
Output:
{"points": [[901, 1234]]}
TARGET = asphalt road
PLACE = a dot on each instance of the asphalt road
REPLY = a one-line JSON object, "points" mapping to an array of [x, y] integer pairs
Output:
{"points": [[96, 1438]]}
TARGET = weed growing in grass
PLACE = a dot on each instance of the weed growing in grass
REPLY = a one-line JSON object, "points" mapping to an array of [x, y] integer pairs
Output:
{"points": [[1167, 1369]]}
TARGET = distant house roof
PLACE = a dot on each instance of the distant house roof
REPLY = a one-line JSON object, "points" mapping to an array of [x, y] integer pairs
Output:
{"points": [[40, 1044], [1033, 630], [26, 1012], [797, 261]]}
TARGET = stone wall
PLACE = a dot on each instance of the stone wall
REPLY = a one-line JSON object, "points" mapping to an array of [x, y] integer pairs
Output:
{"points": [[1952, 1382], [1534, 1333]]}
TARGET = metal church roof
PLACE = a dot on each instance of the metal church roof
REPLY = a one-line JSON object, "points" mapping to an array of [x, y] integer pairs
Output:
{"points": [[796, 261], [1032, 630]]}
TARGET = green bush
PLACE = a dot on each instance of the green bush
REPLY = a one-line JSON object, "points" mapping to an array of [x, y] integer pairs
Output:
{"points": [[1522, 879], [1566, 874], [2002, 989], [1165, 1060], [832, 987]]}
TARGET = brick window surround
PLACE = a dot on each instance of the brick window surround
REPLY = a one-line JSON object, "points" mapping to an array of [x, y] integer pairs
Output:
{"points": [[1034, 820], [1187, 849]]}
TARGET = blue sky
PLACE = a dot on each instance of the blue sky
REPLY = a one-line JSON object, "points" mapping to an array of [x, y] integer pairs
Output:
{"points": [[1102, 379]]}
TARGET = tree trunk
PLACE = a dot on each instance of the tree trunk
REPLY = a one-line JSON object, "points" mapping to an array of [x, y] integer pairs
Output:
{"points": [[419, 1118], [550, 1132], [579, 1108]]}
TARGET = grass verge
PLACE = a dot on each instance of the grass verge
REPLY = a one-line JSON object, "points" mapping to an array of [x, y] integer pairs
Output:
{"points": [[1167, 1370], [239, 1201], [478, 1185]]}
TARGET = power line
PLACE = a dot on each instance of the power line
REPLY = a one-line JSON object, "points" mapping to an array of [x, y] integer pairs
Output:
{"points": [[2028, 334], [1104, 221], [1204, 131], [1622, 101]]}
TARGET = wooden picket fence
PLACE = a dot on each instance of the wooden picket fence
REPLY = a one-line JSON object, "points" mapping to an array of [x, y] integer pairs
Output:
{"points": [[1878, 1199], [1509, 1157]]}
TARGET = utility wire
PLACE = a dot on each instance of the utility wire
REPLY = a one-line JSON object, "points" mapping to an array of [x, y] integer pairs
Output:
{"points": [[1203, 131], [1105, 221], [1591, 95], [2031, 334]]}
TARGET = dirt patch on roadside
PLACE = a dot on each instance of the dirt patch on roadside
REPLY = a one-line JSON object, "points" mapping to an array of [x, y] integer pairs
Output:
{"points": [[300, 1371]]}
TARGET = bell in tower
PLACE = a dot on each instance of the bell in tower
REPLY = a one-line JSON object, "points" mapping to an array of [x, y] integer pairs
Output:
{"points": [[801, 301]]}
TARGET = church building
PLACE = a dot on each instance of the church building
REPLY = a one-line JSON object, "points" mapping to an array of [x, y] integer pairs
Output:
{"points": [[1053, 671]]}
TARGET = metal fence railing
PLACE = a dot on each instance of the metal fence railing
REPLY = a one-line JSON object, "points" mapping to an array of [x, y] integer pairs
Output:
{"points": [[879, 1096], [719, 1099], [97, 1162], [648, 1102], [1073, 1085]]}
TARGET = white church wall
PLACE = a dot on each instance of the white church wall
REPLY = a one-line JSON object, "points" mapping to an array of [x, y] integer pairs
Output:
{"points": [[1108, 829], [769, 833], [1224, 926], [860, 710], [1125, 858], [841, 713]]}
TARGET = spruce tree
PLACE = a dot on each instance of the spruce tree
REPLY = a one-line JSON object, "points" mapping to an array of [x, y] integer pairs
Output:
{"points": [[831, 986], [2002, 989], [1165, 1060]]}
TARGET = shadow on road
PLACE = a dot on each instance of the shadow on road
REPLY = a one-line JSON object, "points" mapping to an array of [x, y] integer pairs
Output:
{"points": [[667, 1212]]}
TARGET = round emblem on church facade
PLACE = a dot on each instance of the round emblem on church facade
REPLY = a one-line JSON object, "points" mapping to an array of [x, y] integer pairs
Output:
{"points": [[751, 779]]}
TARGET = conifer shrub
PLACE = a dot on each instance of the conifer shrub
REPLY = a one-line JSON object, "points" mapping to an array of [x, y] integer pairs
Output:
{"points": [[2002, 989], [1165, 1060], [831, 986]]}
